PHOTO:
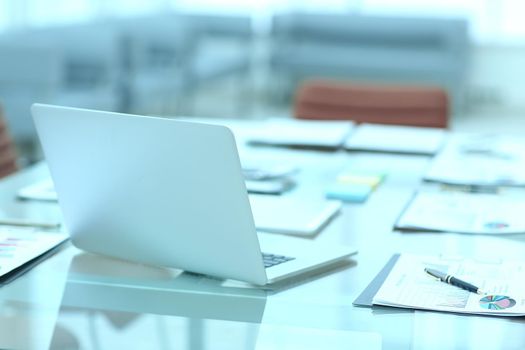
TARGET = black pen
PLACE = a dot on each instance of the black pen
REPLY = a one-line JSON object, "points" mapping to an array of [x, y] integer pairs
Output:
{"points": [[454, 281]]}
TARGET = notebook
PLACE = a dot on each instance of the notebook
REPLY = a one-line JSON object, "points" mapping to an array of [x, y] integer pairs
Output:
{"points": [[291, 215], [302, 133], [396, 139]]}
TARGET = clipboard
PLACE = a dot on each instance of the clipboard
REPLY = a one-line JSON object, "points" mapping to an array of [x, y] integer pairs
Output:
{"points": [[366, 297]]}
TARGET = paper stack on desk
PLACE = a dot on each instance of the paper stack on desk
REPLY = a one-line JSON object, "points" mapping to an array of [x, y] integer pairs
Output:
{"points": [[396, 139], [302, 133], [465, 212], [19, 248], [408, 286], [482, 160]]}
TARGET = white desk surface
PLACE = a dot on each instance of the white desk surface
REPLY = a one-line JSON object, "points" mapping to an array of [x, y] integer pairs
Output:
{"points": [[80, 301]]}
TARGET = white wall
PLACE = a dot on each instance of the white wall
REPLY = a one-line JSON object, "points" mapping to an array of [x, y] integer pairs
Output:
{"points": [[497, 78]]}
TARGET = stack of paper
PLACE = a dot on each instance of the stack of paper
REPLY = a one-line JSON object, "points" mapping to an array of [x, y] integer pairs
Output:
{"points": [[301, 133], [20, 247], [409, 286], [464, 212], [480, 161], [396, 139]]}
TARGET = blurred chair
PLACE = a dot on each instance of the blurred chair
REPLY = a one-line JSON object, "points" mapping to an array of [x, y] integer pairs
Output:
{"points": [[8, 163], [368, 103], [427, 51]]}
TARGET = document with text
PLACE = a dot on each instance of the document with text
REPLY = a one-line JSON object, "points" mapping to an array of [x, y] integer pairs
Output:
{"points": [[409, 286], [464, 212], [482, 160]]}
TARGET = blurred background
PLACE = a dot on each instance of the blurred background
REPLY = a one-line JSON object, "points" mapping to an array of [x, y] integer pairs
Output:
{"points": [[246, 58]]}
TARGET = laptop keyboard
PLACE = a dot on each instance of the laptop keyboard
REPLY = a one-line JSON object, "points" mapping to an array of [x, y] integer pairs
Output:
{"points": [[273, 259]]}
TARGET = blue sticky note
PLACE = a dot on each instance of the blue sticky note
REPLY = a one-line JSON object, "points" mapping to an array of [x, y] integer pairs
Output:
{"points": [[348, 192]]}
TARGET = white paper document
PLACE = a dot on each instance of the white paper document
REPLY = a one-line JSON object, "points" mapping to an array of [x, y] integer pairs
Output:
{"points": [[483, 160], [43, 190], [309, 133], [19, 246], [409, 286], [289, 215], [396, 139], [464, 212]]}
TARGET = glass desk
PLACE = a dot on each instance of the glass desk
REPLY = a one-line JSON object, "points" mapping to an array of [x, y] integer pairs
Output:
{"points": [[76, 300]]}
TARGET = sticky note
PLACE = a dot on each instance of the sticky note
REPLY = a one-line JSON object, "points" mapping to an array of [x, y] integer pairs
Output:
{"points": [[347, 192], [361, 178]]}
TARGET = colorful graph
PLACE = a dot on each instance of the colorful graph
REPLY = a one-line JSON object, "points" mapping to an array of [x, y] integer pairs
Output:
{"points": [[496, 302], [496, 225]]}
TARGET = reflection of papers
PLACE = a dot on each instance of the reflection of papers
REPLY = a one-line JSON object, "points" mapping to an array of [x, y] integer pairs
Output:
{"points": [[99, 282], [289, 132], [284, 337], [483, 161], [398, 139], [465, 213], [408, 286]]}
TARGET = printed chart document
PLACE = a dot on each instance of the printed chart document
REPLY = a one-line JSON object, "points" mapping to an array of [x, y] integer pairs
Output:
{"points": [[464, 212], [483, 160], [22, 246], [396, 139], [302, 133], [408, 286]]}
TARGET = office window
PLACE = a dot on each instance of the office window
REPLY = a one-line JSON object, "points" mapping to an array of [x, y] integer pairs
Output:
{"points": [[483, 23], [512, 23], [130, 7], [45, 12], [3, 15], [490, 20]]}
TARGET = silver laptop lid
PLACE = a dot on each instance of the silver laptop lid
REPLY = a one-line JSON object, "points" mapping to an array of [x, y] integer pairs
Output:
{"points": [[152, 190]]}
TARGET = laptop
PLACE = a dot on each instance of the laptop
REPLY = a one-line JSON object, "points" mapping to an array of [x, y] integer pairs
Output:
{"points": [[164, 192]]}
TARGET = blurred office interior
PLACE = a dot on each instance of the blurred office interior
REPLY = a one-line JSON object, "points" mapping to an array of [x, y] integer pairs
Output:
{"points": [[245, 59]]}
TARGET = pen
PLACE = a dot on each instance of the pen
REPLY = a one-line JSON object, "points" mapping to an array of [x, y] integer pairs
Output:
{"points": [[453, 281], [29, 223]]}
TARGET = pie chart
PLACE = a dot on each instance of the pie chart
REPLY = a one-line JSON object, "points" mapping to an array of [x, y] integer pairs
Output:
{"points": [[496, 302]]}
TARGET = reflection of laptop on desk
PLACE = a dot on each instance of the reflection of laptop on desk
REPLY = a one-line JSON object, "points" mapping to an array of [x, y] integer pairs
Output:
{"points": [[164, 192], [97, 282]]}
